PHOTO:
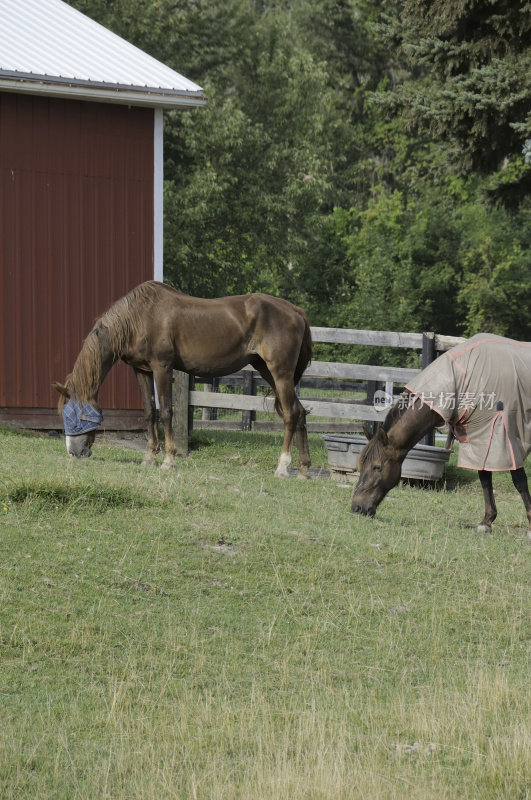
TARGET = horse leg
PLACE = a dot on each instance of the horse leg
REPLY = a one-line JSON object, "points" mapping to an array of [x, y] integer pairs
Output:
{"points": [[289, 408], [303, 446], [291, 411], [491, 511], [520, 481], [147, 388], [163, 379], [294, 420]]}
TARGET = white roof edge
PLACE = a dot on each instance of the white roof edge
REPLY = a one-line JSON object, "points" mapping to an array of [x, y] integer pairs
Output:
{"points": [[103, 93], [48, 47]]}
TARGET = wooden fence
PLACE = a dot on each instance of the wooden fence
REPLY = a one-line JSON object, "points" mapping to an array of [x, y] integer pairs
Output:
{"points": [[343, 415]]}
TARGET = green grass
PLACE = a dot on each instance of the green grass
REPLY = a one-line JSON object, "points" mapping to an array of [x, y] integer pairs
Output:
{"points": [[216, 633]]}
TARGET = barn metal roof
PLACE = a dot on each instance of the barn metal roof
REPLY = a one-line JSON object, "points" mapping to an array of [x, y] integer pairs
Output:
{"points": [[48, 47]]}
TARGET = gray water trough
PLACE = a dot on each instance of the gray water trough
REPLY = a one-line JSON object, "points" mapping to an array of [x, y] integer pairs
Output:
{"points": [[423, 462]]}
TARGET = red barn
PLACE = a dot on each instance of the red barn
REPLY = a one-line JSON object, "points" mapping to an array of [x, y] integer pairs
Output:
{"points": [[81, 180]]}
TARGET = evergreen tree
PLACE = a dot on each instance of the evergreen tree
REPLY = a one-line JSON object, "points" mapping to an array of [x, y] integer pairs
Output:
{"points": [[470, 62]]}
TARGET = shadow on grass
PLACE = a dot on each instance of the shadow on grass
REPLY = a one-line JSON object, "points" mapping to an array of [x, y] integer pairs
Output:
{"points": [[8, 430], [455, 477], [97, 498], [210, 438]]}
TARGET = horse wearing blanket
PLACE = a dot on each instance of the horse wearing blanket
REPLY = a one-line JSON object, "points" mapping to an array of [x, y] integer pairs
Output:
{"points": [[156, 329], [482, 389]]}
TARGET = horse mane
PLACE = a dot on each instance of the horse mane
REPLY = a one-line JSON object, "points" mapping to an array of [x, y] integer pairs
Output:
{"points": [[396, 411], [375, 446], [114, 328], [124, 317], [86, 372]]}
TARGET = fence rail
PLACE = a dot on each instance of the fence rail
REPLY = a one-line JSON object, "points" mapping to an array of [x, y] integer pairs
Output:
{"points": [[413, 341], [372, 338], [320, 408], [336, 369], [341, 413]]}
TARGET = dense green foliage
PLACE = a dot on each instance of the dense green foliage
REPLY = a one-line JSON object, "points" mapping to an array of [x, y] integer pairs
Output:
{"points": [[472, 84], [368, 160]]}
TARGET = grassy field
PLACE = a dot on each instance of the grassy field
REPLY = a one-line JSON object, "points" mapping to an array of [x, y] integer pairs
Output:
{"points": [[217, 633]]}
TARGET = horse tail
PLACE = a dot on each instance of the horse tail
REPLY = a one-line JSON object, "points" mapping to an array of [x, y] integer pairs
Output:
{"points": [[305, 353], [305, 357]]}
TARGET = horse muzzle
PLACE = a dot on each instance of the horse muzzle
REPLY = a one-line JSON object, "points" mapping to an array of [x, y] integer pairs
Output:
{"points": [[367, 511], [85, 453], [78, 449]]}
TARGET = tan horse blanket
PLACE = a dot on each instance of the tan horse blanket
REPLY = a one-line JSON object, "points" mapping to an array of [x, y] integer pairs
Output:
{"points": [[482, 388]]}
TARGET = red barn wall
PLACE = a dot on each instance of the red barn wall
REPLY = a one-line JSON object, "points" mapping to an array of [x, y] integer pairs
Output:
{"points": [[76, 233]]}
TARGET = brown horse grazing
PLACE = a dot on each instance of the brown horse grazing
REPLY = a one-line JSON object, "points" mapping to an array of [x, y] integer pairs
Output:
{"points": [[156, 329], [487, 403]]}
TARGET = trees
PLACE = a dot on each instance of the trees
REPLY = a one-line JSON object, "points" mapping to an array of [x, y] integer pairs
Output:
{"points": [[247, 177], [251, 171], [350, 161], [470, 84], [429, 263]]}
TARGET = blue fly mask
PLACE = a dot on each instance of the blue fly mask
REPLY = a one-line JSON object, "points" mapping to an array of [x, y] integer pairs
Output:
{"points": [[79, 419]]}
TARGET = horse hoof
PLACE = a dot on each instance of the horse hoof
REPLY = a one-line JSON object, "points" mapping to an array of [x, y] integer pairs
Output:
{"points": [[303, 475], [149, 462], [168, 465], [484, 529]]}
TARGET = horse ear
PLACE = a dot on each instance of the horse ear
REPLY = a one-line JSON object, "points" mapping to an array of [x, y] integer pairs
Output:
{"points": [[61, 389], [368, 434], [382, 435]]}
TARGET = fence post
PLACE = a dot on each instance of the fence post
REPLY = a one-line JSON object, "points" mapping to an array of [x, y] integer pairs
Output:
{"points": [[205, 414], [181, 428], [191, 387], [210, 413], [428, 356], [372, 388], [248, 417]]}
